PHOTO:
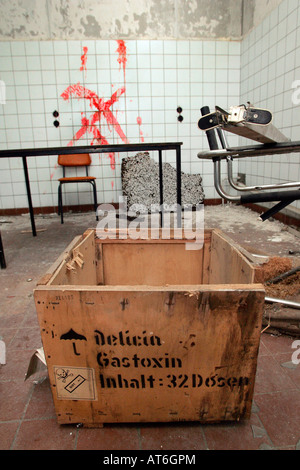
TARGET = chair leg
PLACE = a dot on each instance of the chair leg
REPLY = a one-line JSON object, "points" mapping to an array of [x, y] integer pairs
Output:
{"points": [[95, 198]]}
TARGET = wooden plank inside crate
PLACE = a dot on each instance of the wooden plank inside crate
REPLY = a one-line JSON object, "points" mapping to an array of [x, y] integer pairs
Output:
{"points": [[151, 264], [228, 264], [151, 261]]}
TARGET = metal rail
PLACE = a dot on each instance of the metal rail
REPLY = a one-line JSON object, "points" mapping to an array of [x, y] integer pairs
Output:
{"points": [[251, 151], [255, 188], [287, 303], [285, 197], [218, 184]]}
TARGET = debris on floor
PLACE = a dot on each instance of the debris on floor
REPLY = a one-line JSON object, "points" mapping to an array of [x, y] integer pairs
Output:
{"points": [[27, 415], [277, 318], [37, 363], [273, 267], [286, 288], [2, 352]]}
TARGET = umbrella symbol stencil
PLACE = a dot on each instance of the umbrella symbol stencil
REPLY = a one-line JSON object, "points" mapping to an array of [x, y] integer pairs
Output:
{"points": [[73, 336]]}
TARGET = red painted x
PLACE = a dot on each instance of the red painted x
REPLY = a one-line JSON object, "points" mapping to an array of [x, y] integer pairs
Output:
{"points": [[103, 108]]}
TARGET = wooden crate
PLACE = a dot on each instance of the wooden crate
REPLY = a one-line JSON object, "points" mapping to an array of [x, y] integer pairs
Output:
{"points": [[147, 331]]}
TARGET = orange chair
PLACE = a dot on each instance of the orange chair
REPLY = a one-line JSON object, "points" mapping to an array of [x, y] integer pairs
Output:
{"points": [[75, 160]]}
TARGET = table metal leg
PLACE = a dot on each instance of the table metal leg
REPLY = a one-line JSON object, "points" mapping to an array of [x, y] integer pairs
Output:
{"points": [[29, 196], [178, 172], [161, 190], [2, 258]]}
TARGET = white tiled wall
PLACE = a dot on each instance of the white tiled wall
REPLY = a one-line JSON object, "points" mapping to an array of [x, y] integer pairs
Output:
{"points": [[270, 64], [159, 77]]}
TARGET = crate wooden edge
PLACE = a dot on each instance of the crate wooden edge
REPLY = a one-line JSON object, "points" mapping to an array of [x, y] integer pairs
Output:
{"points": [[210, 235]]}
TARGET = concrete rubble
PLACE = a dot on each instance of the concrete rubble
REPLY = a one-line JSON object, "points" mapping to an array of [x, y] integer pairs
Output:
{"points": [[140, 183]]}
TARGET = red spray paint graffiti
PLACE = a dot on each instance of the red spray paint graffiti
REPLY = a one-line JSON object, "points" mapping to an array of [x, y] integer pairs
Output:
{"points": [[84, 59], [122, 59], [52, 174], [102, 108], [139, 121]]}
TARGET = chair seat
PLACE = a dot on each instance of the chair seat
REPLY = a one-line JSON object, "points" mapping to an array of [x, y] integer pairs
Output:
{"points": [[72, 179]]}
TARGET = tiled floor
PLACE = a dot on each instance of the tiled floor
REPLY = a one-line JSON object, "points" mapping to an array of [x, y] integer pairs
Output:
{"points": [[27, 415]]}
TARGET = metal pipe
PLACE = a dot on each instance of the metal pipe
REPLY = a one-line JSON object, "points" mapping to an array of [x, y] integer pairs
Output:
{"points": [[277, 208], [271, 196], [222, 138], [210, 134], [287, 303], [218, 185], [254, 197], [254, 188]]}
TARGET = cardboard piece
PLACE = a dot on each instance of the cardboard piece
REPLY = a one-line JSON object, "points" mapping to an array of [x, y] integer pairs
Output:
{"points": [[37, 362]]}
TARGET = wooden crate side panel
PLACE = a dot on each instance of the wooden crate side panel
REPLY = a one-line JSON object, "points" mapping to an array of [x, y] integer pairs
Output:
{"points": [[150, 356], [191, 267], [151, 264], [65, 255], [206, 259], [99, 263], [227, 264], [79, 267]]}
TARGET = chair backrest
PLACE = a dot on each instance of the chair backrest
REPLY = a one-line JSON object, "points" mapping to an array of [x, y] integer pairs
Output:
{"points": [[76, 159]]}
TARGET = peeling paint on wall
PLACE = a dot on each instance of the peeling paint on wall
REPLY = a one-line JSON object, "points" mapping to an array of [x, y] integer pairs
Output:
{"points": [[130, 19], [92, 29], [214, 19], [24, 19], [127, 19]]}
